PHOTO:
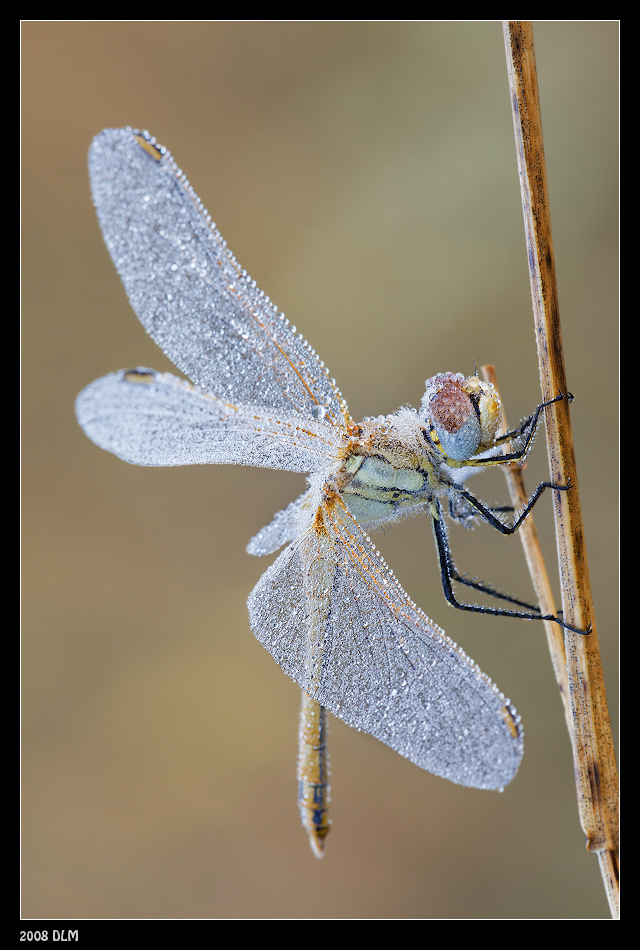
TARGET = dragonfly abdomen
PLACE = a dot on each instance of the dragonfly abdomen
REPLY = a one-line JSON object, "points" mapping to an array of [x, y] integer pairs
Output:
{"points": [[314, 793]]}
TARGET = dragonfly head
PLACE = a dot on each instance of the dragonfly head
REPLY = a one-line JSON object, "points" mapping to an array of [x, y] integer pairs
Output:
{"points": [[463, 412]]}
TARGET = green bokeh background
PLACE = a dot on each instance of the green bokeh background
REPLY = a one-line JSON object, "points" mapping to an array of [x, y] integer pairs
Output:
{"points": [[364, 174]]}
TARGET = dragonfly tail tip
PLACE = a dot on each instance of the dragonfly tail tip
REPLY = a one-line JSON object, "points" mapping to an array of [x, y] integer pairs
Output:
{"points": [[317, 845]]}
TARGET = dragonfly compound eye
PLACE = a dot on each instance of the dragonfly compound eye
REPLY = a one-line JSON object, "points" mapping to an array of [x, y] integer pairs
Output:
{"points": [[453, 415]]}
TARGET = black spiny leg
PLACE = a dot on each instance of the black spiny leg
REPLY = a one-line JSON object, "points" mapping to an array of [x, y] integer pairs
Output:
{"points": [[449, 573], [488, 513]]}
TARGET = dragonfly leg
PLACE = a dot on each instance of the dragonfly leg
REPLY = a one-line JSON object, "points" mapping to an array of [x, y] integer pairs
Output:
{"points": [[488, 513], [449, 574]]}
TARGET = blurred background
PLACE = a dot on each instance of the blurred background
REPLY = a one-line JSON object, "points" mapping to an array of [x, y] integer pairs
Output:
{"points": [[364, 174]]}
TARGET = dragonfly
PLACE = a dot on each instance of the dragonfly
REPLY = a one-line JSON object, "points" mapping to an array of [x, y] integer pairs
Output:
{"points": [[328, 609]]}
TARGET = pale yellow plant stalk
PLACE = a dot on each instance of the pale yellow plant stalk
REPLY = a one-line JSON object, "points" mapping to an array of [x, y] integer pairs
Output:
{"points": [[579, 673]]}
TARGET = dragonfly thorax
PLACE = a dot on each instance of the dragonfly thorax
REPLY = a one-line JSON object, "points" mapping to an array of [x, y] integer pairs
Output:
{"points": [[389, 469]]}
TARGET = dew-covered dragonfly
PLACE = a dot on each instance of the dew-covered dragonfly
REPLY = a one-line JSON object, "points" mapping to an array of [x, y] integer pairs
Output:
{"points": [[329, 610]]}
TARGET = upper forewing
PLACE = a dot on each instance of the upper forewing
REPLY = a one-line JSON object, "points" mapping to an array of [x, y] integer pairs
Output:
{"points": [[337, 621], [189, 291], [151, 418]]}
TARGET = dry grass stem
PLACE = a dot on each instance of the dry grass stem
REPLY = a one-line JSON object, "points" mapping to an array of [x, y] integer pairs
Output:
{"points": [[535, 562], [594, 761]]}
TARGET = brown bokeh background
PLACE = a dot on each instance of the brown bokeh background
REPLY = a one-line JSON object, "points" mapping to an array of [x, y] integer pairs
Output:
{"points": [[364, 174]]}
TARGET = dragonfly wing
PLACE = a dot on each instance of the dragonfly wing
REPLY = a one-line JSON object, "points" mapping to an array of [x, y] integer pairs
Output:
{"points": [[286, 525], [336, 620], [189, 291], [150, 418]]}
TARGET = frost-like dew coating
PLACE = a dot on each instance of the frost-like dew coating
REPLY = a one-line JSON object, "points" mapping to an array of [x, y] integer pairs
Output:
{"points": [[189, 291], [328, 609], [384, 667]]}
